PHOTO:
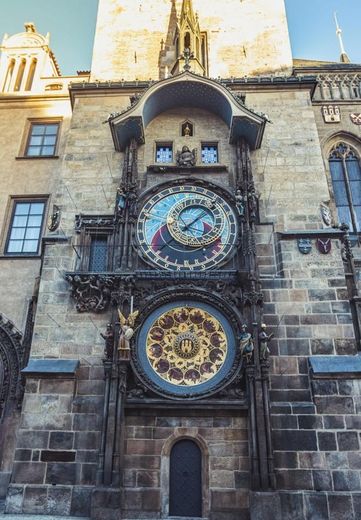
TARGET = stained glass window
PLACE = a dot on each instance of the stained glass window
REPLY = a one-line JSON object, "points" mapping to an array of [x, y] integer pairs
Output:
{"points": [[164, 154], [209, 154]]}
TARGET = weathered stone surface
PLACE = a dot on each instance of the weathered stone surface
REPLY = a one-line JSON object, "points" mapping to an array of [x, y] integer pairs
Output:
{"points": [[265, 506]]}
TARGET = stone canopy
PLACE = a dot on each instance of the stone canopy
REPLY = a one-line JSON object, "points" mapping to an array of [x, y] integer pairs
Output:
{"points": [[187, 90]]}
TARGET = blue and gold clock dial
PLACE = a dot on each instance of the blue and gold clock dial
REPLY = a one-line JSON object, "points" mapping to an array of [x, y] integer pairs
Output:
{"points": [[186, 228], [186, 348]]}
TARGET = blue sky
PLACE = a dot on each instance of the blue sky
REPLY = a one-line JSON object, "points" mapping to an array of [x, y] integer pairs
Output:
{"points": [[72, 23]]}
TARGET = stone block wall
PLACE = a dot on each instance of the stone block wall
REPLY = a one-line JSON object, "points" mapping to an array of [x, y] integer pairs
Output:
{"points": [[316, 427], [56, 456], [223, 438]]}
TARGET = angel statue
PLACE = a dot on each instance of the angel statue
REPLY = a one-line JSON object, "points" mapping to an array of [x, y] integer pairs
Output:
{"points": [[186, 157], [246, 345], [127, 331]]}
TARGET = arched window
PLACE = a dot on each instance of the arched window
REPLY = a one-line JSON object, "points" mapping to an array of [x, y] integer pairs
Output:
{"points": [[19, 77], [187, 40], [346, 180], [9, 75], [29, 81], [185, 486]]}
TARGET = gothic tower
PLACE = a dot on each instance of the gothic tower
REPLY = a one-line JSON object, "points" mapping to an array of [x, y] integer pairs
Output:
{"points": [[197, 313], [235, 38]]}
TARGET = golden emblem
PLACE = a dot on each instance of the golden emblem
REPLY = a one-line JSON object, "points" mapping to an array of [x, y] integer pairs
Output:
{"points": [[186, 346]]}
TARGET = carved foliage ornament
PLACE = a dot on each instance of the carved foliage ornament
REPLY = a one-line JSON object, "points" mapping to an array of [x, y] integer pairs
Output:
{"points": [[11, 353], [91, 293]]}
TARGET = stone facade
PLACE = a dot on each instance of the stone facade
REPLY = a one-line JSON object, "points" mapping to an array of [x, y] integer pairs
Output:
{"points": [[279, 436]]}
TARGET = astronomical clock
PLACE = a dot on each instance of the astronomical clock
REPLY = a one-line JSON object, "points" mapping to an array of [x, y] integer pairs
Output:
{"points": [[186, 347], [186, 227]]}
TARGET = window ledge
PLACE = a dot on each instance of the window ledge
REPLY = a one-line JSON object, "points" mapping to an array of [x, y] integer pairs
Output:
{"points": [[201, 168], [20, 257], [36, 157]]}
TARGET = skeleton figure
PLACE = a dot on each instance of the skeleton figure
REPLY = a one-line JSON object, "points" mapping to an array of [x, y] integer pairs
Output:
{"points": [[127, 330], [264, 338], [246, 345]]}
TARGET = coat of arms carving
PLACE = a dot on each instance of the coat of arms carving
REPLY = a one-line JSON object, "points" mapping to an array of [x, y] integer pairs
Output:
{"points": [[331, 114]]}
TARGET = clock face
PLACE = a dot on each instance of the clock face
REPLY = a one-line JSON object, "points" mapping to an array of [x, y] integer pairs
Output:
{"points": [[186, 228], [186, 348]]}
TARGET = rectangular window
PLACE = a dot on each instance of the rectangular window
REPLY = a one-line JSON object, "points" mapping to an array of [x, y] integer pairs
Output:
{"points": [[42, 140], [98, 254], [164, 153], [25, 229], [209, 153]]}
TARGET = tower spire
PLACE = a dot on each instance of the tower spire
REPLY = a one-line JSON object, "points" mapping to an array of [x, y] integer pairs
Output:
{"points": [[344, 57]]}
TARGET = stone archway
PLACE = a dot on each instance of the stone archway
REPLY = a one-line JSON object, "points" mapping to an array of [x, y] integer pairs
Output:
{"points": [[185, 479]]}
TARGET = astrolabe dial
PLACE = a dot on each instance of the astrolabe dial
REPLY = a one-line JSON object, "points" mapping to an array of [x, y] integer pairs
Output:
{"points": [[186, 348], [186, 228], [197, 221]]}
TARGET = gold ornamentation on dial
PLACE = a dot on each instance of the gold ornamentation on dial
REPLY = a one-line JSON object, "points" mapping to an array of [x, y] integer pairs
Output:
{"points": [[186, 346]]}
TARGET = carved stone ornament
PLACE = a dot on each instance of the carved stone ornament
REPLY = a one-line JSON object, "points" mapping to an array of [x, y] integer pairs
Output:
{"points": [[331, 114], [186, 157], [324, 246], [356, 118], [92, 293], [304, 245], [11, 354], [54, 219], [83, 221], [326, 215]]}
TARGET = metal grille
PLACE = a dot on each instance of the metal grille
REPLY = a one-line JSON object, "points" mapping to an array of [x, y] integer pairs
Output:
{"points": [[98, 255], [209, 154], [185, 496]]}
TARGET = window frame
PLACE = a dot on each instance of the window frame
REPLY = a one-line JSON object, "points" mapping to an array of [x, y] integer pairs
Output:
{"points": [[31, 122], [346, 181], [165, 144], [215, 144], [9, 226]]}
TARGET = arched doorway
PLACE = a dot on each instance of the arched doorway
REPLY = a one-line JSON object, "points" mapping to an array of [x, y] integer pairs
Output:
{"points": [[185, 486]]}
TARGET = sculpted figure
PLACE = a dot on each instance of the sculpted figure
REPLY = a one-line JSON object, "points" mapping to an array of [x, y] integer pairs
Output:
{"points": [[246, 345], [264, 338], [108, 337], [122, 201], [240, 203], [186, 157], [126, 330]]}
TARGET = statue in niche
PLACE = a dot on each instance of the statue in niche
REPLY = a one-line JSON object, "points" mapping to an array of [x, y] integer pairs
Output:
{"points": [[240, 200], [186, 158], [264, 339], [126, 333], [108, 337], [121, 202], [246, 345]]}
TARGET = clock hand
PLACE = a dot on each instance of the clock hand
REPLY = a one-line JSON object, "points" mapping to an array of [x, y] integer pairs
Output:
{"points": [[154, 216], [195, 220]]}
